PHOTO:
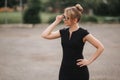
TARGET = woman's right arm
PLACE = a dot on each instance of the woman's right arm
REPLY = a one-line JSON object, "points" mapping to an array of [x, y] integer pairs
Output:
{"points": [[48, 32]]}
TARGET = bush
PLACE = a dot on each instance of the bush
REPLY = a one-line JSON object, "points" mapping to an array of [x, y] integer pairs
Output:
{"points": [[89, 19], [10, 17], [119, 19], [31, 15], [111, 19]]}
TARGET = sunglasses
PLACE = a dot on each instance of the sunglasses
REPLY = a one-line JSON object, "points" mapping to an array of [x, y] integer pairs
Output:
{"points": [[65, 18]]}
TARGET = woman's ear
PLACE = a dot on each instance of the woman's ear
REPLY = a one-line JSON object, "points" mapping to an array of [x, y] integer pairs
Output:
{"points": [[75, 20]]}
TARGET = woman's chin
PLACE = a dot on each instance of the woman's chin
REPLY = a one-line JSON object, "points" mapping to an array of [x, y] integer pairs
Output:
{"points": [[66, 24]]}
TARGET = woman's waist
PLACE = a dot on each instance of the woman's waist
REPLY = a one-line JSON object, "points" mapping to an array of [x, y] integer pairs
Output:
{"points": [[72, 51], [72, 56], [69, 62], [72, 65]]}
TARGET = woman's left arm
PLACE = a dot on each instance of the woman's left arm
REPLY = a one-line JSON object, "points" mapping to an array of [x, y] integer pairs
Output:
{"points": [[96, 43]]}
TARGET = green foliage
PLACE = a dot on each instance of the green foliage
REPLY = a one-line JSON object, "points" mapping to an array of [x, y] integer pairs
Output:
{"points": [[59, 5], [114, 6], [31, 15], [16, 17], [11, 3], [51, 19], [86, 18], [47, 16], [66, 3], [11, 17], [111, 19], [107, 8], [100, 7]]}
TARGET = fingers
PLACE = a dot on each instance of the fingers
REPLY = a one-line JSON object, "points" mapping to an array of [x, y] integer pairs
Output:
{"points": [[59, 17], [82, 65], [81, 62], [79, 59]]}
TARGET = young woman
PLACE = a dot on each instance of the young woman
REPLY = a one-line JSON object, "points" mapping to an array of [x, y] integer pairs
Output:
{"points": [[73, 38]]}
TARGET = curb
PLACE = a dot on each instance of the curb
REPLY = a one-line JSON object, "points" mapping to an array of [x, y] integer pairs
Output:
{"points": [[22, 25], [16, 26]]}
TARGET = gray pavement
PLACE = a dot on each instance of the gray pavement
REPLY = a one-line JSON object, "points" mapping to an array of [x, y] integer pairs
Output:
{"points": [[24, 55]]}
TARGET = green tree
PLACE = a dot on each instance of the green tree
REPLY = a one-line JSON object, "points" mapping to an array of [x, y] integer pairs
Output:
{"points": [[114, 6], [66, 3], [59, 5], [105, 7], [31, 15], [11, 3]]}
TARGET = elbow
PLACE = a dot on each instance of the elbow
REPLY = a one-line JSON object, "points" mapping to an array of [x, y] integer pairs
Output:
{"points": [[43, 35], [101, 48]]}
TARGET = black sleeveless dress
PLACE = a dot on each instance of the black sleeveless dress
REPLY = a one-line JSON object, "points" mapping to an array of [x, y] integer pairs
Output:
{"points": [[72, 50]]}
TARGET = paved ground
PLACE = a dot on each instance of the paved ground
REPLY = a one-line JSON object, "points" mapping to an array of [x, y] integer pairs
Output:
{"points": [[24, 55]]}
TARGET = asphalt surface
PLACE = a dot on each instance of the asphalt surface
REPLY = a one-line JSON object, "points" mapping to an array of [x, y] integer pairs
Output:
{"points": [[24, 55]]}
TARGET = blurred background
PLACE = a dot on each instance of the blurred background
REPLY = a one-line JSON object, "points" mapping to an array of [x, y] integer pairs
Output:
{"points": [[44, 11], [25, 55]]}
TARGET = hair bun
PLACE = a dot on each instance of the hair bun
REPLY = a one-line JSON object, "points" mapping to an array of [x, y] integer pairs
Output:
{"points": [[79, 7]]}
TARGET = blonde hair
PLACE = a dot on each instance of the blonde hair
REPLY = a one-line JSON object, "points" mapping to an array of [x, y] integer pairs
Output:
{"points": [[74, 11]]}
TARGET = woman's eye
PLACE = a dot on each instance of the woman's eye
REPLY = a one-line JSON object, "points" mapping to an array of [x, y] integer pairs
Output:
{"points": [[67, 18]]}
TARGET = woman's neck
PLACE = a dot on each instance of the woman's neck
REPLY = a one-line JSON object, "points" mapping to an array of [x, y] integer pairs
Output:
{"points": [[73, 27]]}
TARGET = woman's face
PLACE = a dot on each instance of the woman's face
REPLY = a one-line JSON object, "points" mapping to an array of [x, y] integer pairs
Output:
{"points": [[67, 20]]}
